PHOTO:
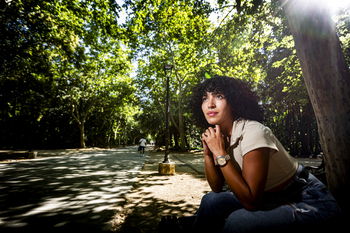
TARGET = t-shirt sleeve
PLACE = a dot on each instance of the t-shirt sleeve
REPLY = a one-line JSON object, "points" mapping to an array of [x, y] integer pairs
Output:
{"points": [[256, 135]]}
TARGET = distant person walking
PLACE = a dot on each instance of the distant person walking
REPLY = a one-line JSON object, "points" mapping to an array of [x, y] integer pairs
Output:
{"points": [[142, 144]]}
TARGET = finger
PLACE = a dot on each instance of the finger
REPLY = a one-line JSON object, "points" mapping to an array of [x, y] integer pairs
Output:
{"points": [[205, 146], [206, 149], [204, 143], [211, 130], [206, 133], [218, 130]]}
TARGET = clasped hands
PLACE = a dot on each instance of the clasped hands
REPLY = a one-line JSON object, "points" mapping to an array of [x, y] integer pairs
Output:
{"points": [[213, 142]]}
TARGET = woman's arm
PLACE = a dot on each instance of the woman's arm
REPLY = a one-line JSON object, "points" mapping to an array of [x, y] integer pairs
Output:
{"points": [[248, 187], [212, 172]]}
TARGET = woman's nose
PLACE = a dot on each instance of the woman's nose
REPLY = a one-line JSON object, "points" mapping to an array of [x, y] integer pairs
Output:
{"points": [[211, 104]]}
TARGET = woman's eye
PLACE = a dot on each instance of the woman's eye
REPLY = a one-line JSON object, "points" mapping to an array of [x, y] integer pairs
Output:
{"points": [[220, 97], [204, 99]]}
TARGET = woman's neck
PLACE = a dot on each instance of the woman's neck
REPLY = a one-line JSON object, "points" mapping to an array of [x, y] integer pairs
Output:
{"points": [[226, 130]]}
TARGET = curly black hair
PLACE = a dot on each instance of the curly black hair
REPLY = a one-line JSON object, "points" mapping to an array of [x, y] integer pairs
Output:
{"points": [[239, 96]]}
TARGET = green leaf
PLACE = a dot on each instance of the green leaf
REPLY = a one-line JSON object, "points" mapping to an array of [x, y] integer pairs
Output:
{"points": [[207, 75]]}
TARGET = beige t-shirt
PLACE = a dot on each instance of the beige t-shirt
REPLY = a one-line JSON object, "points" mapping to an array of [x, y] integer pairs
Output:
{"points": [[250, 135]]}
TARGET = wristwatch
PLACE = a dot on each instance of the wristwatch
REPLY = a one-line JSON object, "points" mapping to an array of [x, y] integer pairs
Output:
{"points": [[222, 160]]}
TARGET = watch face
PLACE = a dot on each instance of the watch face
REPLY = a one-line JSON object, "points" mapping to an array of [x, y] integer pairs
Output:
{"points": [[221, 161]]}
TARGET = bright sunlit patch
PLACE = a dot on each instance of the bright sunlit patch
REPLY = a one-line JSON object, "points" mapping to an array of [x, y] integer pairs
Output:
{"points": [[47, 206], [336, 4]]}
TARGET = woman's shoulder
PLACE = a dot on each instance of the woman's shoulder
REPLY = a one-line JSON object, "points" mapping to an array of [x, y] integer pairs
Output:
{"points": [[245, 125], [251, 130], [256, 135], [256, 127], [248, 129]]}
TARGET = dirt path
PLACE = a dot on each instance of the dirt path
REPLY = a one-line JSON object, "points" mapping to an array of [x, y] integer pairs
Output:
{"points": [[154, 195]]}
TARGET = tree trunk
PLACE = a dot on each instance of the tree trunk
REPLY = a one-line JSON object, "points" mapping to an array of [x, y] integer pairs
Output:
{"points": [[181, 120], [304, 132], [82, 135], [81, 119], [124, 138], [309, 133], [181, 127], [327, 79], [317, 141], [176, 140]]}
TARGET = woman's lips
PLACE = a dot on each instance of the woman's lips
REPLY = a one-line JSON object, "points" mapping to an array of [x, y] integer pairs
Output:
{"points": [[212, 113]]}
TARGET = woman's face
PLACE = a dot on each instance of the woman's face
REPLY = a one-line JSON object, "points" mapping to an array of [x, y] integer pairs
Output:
{"points": [[216, 109]]}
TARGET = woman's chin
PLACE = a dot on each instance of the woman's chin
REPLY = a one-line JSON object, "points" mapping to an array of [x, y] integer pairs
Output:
{"points": [[212, 122]]}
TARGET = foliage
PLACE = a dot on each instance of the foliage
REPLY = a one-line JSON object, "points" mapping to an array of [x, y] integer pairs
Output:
{"points": [[342, 19], [58, 58], [261, 50], [67, 63], [172, 32]]}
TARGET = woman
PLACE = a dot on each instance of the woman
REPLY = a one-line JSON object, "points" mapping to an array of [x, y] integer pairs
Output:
{"points": [[256, 184]]}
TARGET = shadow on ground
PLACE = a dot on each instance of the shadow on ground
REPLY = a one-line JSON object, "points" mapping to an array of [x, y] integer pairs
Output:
{"points": [[75, 192], [154, 195]]}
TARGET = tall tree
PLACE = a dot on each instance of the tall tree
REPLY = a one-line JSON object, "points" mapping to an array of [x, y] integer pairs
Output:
{"points": [[29, 30], [102, 76], [327, 79], [41, 40], [171, 32], [326, 76]]}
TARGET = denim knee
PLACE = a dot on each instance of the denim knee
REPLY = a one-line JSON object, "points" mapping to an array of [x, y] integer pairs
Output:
{"points": [[208, 198], [244, 221], [213, 211], [219, 204], [209, 203]]}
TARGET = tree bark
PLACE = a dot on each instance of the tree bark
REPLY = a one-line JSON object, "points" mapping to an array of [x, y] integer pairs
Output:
{"points": [[181, 126], [327, 79], [81, 119], [181, 120], [82, 135]]}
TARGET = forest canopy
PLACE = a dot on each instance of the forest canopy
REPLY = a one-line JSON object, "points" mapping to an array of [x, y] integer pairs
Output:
{"points": [[90, 73]]}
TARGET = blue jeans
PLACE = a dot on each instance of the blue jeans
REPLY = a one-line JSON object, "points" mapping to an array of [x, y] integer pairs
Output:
{"points": [[303, 202]]}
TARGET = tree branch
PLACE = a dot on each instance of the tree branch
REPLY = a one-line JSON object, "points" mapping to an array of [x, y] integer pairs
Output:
{"points": [[76, 117]]}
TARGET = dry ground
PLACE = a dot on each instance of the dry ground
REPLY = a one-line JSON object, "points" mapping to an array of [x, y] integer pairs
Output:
{"points": [[154, 195]]}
